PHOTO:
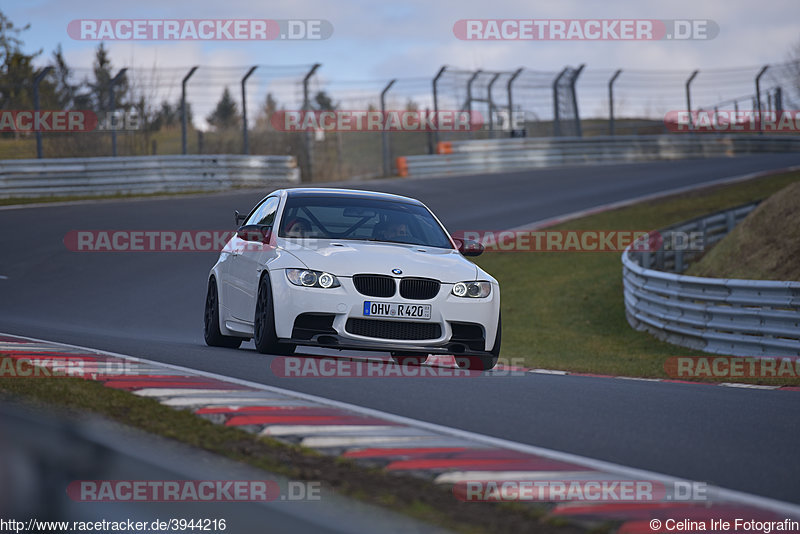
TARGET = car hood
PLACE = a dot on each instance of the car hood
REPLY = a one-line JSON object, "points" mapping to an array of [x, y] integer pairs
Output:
{"points": [[346, 258]]}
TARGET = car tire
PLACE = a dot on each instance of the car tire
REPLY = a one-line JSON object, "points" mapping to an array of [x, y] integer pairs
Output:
{"points": [[264, 335], [483, 362], [409, 358], [211, 332]]}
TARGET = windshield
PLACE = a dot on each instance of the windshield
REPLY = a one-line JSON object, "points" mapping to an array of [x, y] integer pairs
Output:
{"points": [[345, 218]]}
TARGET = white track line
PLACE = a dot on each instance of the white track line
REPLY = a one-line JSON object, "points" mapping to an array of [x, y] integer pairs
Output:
{"points": [[100, 199], [714, 492]]}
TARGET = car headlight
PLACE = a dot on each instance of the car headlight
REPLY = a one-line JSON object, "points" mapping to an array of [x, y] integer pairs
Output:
{"points": [[475, 290], [308, 278]]}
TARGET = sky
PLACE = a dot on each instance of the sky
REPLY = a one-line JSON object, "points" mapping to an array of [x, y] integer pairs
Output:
{"points": [[377, 41]]}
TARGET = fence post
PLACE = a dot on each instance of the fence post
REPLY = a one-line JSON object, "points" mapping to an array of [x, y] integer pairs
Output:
{"points": [[309, 142], [469, 100], [491, 105], [556, 113], [245, 140], [611, 101], [111, 106], [183, 108], [758, 97], [510, 101], [384, 133], [429, 133], [36, 81], [436, 107], [572, 81], [689, 97]]}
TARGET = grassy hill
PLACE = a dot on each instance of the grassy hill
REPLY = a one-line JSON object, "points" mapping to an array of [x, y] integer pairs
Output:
{"points": [[764, 246]]}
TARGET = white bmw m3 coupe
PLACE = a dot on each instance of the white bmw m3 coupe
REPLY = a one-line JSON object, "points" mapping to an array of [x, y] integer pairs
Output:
{"points": [[353, 270]]}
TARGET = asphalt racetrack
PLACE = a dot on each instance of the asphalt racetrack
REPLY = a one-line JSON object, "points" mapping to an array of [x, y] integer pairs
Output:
{"points": [[151, 305]]}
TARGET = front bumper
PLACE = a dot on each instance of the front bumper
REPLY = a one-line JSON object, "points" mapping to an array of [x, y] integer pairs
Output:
{"points": [[345, 302], [332, 341]]}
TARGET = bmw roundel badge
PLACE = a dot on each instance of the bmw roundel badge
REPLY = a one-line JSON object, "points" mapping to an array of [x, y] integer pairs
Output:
{"points": [[397, 271]]}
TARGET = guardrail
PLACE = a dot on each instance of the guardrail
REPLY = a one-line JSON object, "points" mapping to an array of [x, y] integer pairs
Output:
{"points": [[142, 174], [716, 315], [499, 155]]}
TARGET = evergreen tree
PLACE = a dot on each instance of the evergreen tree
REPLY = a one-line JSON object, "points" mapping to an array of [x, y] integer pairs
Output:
{"points": [[323, 102], [226, 114], [100, 87]]}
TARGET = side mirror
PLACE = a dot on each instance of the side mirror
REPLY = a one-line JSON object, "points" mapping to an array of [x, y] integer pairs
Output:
{"points": [[467, 247], [254, 232], [239, 218]]}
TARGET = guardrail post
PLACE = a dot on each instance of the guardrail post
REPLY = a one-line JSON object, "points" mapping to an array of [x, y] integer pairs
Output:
{"points": [[572, 81], [245, 140], [660, 259], [758, 97], [36, 81], [689, 98], [491, 105], [436, 106], [469, 100], [702, 230], [307, 135], [111, 107], [646, 259], [611, 101], [678, 255], [510, 100], [556, 117], [183, 108], [730, 221], [384, 133]]}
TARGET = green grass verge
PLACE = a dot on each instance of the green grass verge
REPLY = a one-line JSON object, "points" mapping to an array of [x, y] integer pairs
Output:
{"points": [[406, 494], [564, 310]]}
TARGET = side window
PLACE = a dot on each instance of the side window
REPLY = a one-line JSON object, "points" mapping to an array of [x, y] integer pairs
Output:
{"points": [[265, 213]]}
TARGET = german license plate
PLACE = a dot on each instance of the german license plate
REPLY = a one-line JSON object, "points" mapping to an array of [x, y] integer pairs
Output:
{"points": [[397, 310]]}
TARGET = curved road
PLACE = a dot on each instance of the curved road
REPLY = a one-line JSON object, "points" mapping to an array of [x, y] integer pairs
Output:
{"points": [[150, 305]]}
